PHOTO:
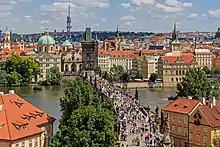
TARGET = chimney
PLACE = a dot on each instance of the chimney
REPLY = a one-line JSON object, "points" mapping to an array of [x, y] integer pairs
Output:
{"points": [[204, 101], [1, 93], [214, 101], [11, 91]]}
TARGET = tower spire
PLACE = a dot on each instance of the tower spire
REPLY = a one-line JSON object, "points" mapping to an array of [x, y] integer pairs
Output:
{"points": [[174, 33], [68, 21], [117, 32]]}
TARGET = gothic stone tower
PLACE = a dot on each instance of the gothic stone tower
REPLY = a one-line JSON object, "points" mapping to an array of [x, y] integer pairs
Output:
{"points": [[89, 52]]}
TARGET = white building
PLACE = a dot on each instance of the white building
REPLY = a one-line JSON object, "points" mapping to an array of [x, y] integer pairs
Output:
{"points": [[203, 57], [152, 66]]}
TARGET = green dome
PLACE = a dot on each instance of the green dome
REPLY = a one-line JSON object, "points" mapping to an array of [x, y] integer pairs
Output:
{"points": [[46, 40], [66, 43]]}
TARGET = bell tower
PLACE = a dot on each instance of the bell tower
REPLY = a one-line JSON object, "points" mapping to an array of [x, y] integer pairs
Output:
{"points": [[7, 39]]}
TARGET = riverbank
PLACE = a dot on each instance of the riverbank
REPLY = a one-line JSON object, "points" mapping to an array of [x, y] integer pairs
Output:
{"points": [[133, 85]]}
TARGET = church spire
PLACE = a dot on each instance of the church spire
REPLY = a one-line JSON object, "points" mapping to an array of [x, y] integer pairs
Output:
{"points": [[174, 33], [117, 32]]}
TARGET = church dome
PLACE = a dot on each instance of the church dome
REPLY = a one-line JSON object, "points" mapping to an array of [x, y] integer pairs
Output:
{"points": [[66, 43], [46, 39]]}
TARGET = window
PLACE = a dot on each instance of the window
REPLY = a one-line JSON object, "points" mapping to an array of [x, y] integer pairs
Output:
{"points": [[197, 138], [173, 118], [185, 120], [30, 143], [190, 128], [179, 119], [47, 70], [47, 65], [173, 129], [215, 131], [177, 79], [35, 142], [47, 59], [177, 72], [23, 144], [17, 145], [179, 130], [190, 137], [172, 79], [185, 132]]}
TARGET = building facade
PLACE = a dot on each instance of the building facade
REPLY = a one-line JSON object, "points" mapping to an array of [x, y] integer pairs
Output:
{"points": [[152, 65], [203, 57], [172, 69], [29, 126], [193, 123]]}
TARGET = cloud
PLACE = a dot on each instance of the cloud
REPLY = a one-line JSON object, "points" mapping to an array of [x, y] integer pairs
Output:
{"points": [[56, 6], [143, 2], [44, 22], [103, 19], [126, 5], [214, 12], [193, 15], [173, 6], [128, 18], [88, 3], [168, 8]]}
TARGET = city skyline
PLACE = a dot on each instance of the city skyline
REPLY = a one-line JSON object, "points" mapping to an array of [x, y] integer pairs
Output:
{"points": [[24, 16]]}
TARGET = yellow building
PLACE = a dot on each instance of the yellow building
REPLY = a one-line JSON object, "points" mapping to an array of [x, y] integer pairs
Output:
{"points": [[172, 69]]}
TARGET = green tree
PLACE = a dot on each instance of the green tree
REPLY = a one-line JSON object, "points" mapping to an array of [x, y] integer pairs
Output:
{"points": [[85, 121], [139, 75], [87, 127], [3, 78], [207, 70], [195, 84], [54, 77], [13, 79], [116, 72], [98, 70], [153, 77], [28, 68], [216, 141]]}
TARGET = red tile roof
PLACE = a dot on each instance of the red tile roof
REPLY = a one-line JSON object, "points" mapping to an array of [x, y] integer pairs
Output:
{"points": [[173, 59], [19, 119], [181, 105]]}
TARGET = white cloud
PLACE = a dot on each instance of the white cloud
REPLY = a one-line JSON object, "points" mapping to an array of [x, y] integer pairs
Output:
{"points": [[173, 6], [88, 3], [44, 22], [128, 18], [142, 2], [214, 12], [103, 19], [56, 6], [126, 5], [168, 8], [193, 15]]}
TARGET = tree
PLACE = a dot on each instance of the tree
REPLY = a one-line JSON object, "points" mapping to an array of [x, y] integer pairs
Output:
{"points": [[98, 70], [216, 141], [139, 75], [153, 77], [116, 72], [195, 84], [3, 78], [28, 68], [207, 70], [85, 121], [87, 127], [54, 77], [13, 79]]}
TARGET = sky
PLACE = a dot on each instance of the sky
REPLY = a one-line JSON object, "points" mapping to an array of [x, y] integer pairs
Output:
{"points": [[23, 16]]}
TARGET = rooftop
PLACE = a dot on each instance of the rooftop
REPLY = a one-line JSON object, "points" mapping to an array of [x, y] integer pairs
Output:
{"points": [[173, 59], [24, 122], [181, 105]]}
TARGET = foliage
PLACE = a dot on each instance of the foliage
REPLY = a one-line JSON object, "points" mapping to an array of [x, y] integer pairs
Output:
{"points": [[98, 70], [153, 77], [54, 77], [139, 75], [26, 68], [85, 121], [3, 78], [14, 79], [195, 84], [207, 70], [215, 71], [125, 77], [116, 72], [216, 141]]}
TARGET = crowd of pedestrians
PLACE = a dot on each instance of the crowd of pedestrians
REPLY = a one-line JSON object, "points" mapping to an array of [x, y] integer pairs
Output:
{"points": [[135, 127]]}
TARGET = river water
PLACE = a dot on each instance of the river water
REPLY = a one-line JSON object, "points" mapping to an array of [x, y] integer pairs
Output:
{"points": [[48, 99]]}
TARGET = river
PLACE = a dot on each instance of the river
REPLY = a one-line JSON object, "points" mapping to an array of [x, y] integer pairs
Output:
{"points": [[48, 99]]}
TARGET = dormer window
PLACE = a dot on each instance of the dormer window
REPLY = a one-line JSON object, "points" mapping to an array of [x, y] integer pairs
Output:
{"points": [[1, 126], [17, 127], [19, 104]]}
